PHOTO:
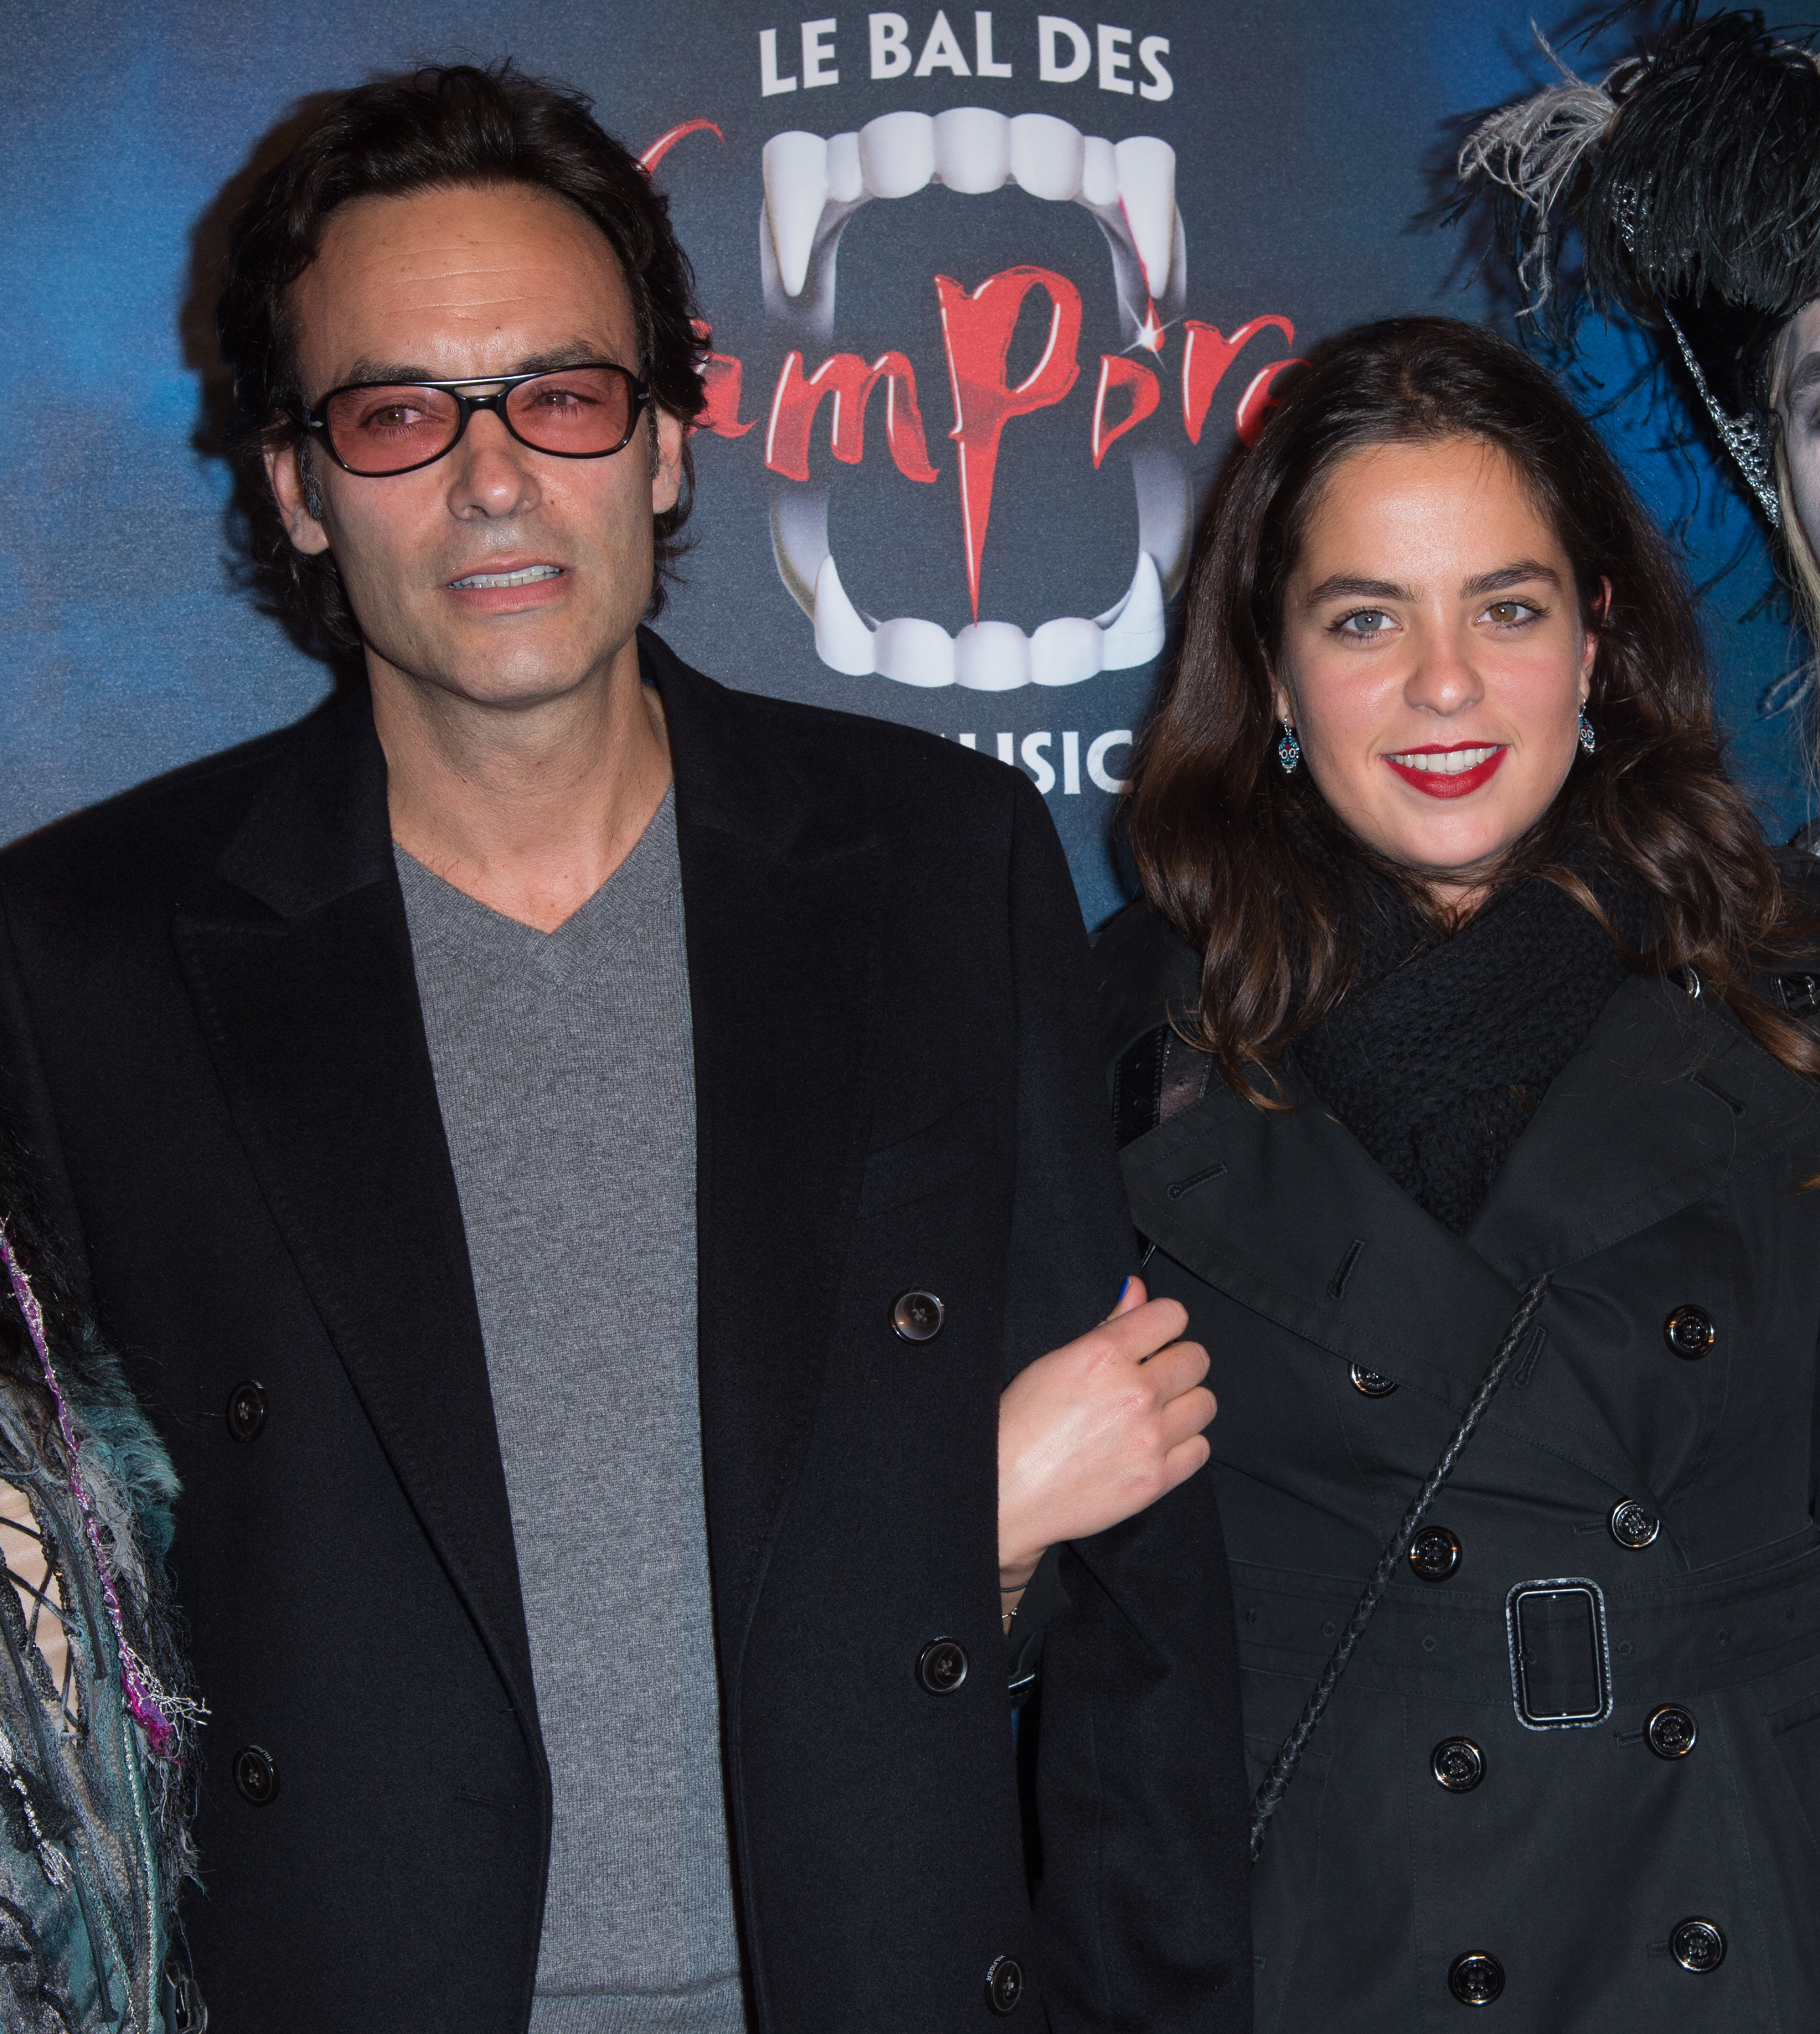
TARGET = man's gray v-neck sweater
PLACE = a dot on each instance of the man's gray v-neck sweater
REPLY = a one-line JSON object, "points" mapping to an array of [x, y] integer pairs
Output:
{"points": [[563, 1070]]}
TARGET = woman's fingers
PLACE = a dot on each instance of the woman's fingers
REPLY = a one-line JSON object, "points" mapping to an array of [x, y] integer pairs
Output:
{"points": [[1095, 1432], [1183, 1461], [1185, 1416]]}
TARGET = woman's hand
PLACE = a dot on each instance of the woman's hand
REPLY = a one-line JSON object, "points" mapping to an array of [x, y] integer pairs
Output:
{"points": [[1096, 1432]]}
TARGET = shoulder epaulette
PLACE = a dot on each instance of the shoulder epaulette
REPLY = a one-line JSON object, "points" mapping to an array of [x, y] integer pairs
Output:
{"points": [[1156, 1079]]}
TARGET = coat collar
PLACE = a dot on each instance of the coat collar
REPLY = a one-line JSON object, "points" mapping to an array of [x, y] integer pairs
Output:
{"points": [[781, 909], [1665, 1105], [304, 981]]}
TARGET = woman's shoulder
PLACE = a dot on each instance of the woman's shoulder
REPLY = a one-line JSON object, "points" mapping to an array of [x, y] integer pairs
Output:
{"points": [[1145, 972]]}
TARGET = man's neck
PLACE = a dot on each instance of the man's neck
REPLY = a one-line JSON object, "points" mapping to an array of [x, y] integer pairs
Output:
{"points": [[528, 809]]}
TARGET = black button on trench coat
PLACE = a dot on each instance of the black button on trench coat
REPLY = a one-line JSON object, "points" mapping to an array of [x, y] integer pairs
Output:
{"points": [[1662, 1171]]}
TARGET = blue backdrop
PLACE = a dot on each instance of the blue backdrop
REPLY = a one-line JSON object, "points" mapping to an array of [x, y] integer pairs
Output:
{"points": [[1165, 205]]}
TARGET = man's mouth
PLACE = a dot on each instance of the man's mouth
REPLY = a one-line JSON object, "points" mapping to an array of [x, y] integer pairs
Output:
{"points": [[814, 186], [528, 576], [1449, 773]]}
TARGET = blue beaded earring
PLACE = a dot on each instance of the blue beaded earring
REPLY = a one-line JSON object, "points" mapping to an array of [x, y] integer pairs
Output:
{"points": [[1288, 750], [1588, 740]]}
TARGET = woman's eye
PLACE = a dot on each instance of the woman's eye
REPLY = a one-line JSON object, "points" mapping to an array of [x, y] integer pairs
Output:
{"points": [[1509, 614], [1366, 621]]}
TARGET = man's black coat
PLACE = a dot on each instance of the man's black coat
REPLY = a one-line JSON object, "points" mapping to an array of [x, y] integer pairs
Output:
{"points": [[212, 1044]]}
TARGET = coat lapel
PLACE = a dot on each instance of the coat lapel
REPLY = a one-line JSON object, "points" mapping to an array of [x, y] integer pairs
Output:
{"points": [[1667, 1102], [302, 976], [781, 917]]}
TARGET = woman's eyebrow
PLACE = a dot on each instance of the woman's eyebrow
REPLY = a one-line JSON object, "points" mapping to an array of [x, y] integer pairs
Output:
{"points": [[1520, 573], [1340, 586]]}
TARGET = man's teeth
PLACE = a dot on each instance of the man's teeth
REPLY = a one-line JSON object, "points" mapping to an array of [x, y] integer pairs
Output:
{"points": [[1446, 762], [531, 574], [972, 149]]}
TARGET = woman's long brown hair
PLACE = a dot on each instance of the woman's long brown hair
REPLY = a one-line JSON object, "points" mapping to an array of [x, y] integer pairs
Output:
{"points": [[1245, 862]]}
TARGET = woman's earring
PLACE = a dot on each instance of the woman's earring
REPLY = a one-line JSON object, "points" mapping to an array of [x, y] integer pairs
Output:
{"points": [[1288, 750], [1588, 740]]}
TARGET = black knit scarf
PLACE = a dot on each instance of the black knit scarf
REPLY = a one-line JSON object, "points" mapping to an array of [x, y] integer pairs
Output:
{"points": [[1443, 1048]]}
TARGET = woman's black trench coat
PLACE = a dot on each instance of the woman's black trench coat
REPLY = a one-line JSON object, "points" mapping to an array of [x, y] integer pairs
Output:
{"points": [[1645, 1721]]}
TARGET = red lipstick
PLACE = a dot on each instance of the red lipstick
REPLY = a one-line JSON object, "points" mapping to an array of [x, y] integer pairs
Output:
{"points": [[1437, 783]]}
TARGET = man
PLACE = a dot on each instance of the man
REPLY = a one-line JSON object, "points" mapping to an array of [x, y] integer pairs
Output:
{"points": [[575, 1153]]}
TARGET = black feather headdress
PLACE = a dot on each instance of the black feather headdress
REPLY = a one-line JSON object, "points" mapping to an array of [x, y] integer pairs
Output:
{"points": [[1693, 173]]}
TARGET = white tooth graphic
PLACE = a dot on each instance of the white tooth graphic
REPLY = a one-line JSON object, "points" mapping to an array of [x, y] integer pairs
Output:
{"points": [[1064, 651], [843, 641], [1147, 189], [972, 149], [795, 171], [1098, 172], [846, 180], [1135, 627], [1165, 511], [992, 657], [1047, 156], [812, 186], [897, 154], [914, 652]]}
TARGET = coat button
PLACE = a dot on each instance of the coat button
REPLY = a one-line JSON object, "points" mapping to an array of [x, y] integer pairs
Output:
{"points": [[1476, 1979], [246, 1411], [1633, 1525], [1371, 1384], [941, 1666], [1672, 1731], [1699, 1946], [256, 1776], [1005, 1985], [1435, 1553], [918, 1316], [1459, 1764], [1689, 1332]]}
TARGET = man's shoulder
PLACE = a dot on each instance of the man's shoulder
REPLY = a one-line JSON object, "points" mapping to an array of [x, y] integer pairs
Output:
{"points": [[163, 830], [880, 768]]}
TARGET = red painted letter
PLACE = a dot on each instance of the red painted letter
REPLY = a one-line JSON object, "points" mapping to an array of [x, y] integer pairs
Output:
{"points": [[721, 377], [850, 381], [976, 328], [1258, 399], [1117, 372], [1206, 357]]}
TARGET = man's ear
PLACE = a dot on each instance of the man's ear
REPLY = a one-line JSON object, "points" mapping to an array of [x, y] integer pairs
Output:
{"points": [[299, 502], [666, 459]]}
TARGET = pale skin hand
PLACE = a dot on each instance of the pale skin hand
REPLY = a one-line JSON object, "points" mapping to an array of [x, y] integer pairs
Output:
{"points": [[1097, 1431]]}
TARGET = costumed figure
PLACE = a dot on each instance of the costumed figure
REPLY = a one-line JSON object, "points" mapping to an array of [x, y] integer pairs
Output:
{"points": [[1693, 175], [1465, 1076], [96, 1730]]}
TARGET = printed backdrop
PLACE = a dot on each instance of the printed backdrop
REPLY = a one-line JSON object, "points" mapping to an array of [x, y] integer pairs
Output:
{"points": [[991, 290]]}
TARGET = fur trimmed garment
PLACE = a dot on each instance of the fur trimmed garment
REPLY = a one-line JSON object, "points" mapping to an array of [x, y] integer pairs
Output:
{"points": [[94, 1845]]}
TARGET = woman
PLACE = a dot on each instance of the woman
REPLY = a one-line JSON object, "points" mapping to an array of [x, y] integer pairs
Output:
{"points": [[94, 1743], [1464, 1107]]}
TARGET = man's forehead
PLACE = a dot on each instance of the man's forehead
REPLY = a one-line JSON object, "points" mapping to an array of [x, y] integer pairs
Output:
{"points": [[435, 276]]}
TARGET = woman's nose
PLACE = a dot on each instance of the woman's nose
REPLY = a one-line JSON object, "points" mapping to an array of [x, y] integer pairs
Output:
{"points": [[1445, 677]]}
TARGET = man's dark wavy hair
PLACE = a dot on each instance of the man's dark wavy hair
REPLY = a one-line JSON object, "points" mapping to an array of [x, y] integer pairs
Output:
{"points": [[430, 129]]}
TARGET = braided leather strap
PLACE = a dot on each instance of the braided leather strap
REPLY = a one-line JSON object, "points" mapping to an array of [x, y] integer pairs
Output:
{"points": [[1269, 1796]]}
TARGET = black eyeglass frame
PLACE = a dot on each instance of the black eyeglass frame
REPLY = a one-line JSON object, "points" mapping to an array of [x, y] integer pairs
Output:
{"points": [[316, 419]]}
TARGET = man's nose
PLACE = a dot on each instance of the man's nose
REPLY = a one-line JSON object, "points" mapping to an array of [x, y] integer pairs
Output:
{"points": [[1445, 677], [490, 474]]}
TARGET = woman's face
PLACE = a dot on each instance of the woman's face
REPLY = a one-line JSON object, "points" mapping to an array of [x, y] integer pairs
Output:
{"points": [[1434, 660], [1798, 405]]}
